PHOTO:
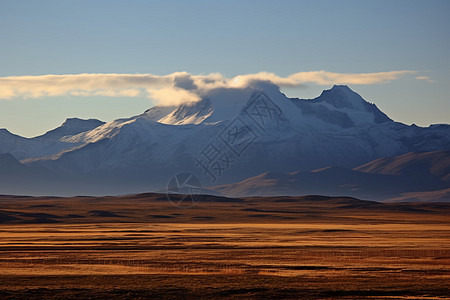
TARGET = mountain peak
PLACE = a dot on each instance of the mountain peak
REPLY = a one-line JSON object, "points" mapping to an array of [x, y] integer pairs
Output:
{"points": [[341, 96], [7, 133], [217, 105], [341, 87], [4, 130], [72, 126], [77, 122]]}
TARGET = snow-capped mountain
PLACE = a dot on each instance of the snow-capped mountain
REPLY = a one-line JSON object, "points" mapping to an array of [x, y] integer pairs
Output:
{"points": [[71, 126], [229, 135], [342, 107], [49, 143], [181, 115]]}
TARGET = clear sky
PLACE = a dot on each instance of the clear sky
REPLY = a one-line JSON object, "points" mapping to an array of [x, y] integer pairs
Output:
{"points": [[227, 37]]}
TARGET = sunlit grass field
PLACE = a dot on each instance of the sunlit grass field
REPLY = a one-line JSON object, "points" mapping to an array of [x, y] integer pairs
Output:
{"points": [[340, 248]]}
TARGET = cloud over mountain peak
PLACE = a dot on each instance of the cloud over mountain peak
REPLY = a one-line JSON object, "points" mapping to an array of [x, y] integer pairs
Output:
{"points": [[174, 88]]}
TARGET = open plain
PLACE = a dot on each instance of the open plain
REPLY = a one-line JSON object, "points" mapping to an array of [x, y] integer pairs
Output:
{"points": [[142, 246]]}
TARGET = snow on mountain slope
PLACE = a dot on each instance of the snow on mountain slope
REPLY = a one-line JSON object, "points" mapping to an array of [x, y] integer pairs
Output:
{"points": [[46, 144], [142, 152], [10, 142], [225, 104], [297, 138], [342, 107], [194, 113], [71, 126]]}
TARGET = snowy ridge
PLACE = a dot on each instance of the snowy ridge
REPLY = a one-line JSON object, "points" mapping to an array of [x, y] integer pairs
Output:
{"points": [[49, 143], [194, 113], [338, 128]]}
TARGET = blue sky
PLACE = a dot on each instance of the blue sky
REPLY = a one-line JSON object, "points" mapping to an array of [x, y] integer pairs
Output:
{"points": [[228, 37]]}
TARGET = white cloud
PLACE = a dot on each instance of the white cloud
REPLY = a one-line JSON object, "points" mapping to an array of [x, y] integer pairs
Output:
{"points": [[173, 96], [427, 78], [174, 88]]}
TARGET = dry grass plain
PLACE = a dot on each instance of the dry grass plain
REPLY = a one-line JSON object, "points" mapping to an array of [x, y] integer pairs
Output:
{"points": [[142, 247]]}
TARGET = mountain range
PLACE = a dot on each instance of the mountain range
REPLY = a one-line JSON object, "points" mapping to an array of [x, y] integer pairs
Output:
{"points": [[238, 142]]}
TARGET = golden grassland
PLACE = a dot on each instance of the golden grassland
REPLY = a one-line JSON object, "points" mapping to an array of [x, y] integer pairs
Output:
{"points": [[282, 247]]}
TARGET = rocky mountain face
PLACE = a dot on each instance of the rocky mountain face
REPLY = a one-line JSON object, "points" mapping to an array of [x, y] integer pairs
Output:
{"points": [[384, 179]]}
